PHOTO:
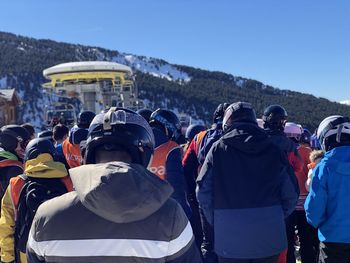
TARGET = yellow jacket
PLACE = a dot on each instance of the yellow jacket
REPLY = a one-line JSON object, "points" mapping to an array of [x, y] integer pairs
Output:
{"points": [[41, 167]]}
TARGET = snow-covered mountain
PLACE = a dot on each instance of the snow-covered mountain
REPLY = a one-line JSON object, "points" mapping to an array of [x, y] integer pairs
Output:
{"points": [[184, 89]]}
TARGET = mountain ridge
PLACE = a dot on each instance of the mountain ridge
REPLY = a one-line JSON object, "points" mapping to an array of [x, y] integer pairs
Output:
{"points": [[179, 87]]}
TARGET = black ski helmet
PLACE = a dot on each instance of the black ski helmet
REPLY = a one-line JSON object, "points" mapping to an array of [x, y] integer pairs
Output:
{"points": [[275, 117], [145, 113], [39, 146], [306, 136], [10, 135], [168, 121], [219, 113], [120, 128], [48, 135], [85, 118], [193, 130], [238, 112]]}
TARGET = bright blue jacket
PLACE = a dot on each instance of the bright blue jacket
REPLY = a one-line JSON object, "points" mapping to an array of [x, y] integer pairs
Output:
{"points": [[328, 203]]}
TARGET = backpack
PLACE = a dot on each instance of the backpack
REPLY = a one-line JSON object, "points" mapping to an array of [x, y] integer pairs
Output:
{"points": [[34, 192]]}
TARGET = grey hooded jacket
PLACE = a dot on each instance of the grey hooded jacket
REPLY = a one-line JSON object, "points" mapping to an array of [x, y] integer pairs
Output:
{"points": [[119, 213]]}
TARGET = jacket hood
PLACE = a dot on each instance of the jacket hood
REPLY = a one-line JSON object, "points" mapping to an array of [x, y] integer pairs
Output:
{"points": [[44, 167], [339, 159], [8, 155], [120, 192], [248, 138]]}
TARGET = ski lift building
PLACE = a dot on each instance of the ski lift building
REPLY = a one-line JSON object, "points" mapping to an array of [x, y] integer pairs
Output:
{"points": [[98, 84]]}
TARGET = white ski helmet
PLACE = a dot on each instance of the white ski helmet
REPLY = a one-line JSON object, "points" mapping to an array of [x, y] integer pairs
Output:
{"points": [[332, 131], [293, 130]]}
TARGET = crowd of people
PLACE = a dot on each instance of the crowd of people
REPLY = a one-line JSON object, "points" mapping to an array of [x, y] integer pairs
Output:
{"points": [[125, 186]]}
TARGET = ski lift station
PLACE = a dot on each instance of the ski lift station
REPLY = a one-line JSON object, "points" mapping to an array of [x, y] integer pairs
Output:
{"points": [[97, 84]]}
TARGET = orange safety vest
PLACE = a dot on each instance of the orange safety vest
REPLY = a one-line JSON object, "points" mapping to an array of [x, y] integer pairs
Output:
{"points": [[160, 157], [72, 153], [7, 163], [17, 183]]}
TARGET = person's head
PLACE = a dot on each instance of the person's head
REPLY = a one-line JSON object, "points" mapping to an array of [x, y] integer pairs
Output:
{"points": [[30, 129], [39, 146], [77, 135], [275, 117], [85, 118], [306, 137], [60, 133], [145, 113], [119, 135], [48, 135], [193, 130], [167, 121], [14, 138], [238, 112], [219, 112], [334, 131], [293, 131]]}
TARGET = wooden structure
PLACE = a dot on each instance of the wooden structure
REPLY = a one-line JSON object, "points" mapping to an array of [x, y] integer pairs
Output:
{"points": [[9, 101]]}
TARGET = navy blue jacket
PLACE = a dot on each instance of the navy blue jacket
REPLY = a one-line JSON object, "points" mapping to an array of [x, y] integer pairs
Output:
{"points": [[174, 171], [246, 192], [211, 136]]}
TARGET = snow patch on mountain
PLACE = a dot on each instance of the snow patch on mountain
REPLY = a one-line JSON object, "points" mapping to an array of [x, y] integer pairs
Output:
{"points": [[346, 102], [154, 67]]}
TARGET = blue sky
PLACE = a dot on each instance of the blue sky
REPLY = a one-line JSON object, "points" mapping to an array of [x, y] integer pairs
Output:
{"points": [[298, 45]]}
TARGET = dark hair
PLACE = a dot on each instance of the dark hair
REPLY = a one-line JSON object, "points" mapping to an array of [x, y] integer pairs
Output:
{"points": [[30, 129], [59, 131]]}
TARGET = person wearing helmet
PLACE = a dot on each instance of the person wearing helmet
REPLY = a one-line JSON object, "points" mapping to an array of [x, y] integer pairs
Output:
{"points": [[60, 134], [30, 129], [275, 119], [85, 118], [327, 205], [192, 162], [245, 191], [119, 211], [47, 134], [167, 159], [191, 132], [297, 220], [42, 174], [145, 113], [77, 134], [13, 140]]}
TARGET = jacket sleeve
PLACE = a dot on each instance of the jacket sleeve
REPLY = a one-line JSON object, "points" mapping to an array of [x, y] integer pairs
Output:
{"points": [[316, 201], [289, 192], [190, 167], [7, 229], [296, 161], [32, 257], [175, 177], [205, 188], [182, 248]]}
